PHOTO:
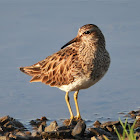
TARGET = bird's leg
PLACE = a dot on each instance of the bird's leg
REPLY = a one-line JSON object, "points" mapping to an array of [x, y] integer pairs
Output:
{"points": [[68, 104], [76, 104]]}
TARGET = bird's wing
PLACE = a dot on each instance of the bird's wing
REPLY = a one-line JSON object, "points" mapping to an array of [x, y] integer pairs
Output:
{"points": [[55, 70]]}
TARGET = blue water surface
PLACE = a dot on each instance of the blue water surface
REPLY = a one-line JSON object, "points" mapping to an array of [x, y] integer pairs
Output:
{"points": [[32, 30]]}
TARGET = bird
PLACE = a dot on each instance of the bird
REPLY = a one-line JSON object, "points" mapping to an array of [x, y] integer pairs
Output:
{"points": [[78, 65]]}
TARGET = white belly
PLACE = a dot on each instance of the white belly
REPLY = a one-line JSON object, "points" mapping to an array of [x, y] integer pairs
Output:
{"points": [[81, 83]]}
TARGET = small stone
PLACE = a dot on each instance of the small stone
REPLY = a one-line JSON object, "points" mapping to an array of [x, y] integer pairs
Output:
{"points": [[35, 134], [67, 122], [10, 124], [93, 132], [21, 134], [51, 127], [58, 128], [132, 112], [11, 138], [79, 129], [28, 133], [22, 138], [138, 117], [97, 138], [43, 118], [4, 120], [64, 134], [3, 138], [93, 138], [98, 132], [137, 124], [36, 123], [119, 129], [109, 123], [110, 129], [133, 115], [41, 128], [33, 122], [18, 124], [11, 135], [96, 124], [43, 123]]}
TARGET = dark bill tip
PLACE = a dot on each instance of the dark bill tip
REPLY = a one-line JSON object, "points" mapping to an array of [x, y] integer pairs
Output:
{"points": [[70, 42]]}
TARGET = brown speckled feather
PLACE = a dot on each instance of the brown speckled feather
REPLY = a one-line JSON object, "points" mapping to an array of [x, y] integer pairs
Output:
{"points": [[56, 69], [79, 64], [83, 57]]}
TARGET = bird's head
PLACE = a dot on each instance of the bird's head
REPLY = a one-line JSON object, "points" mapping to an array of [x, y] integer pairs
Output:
{"points": [[87, 33]]}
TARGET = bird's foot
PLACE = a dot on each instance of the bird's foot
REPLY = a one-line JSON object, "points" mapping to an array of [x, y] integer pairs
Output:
{"points": [[78, 117]]}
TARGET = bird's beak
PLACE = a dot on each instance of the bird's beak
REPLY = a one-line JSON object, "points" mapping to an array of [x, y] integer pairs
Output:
{"points": [[76, 39]]}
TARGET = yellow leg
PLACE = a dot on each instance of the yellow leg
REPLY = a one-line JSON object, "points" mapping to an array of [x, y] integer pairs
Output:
{"points": [[68, 104], [76, 104]]}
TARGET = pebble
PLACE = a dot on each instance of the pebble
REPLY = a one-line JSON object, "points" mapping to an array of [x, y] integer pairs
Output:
{"points": [[3, 138], [12, 129], [96, 124], [51, 127], [41, 128], [36, 123], [79, 129]]}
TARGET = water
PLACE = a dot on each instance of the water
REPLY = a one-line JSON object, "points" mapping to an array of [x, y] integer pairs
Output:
{"points": [[32, 30]]}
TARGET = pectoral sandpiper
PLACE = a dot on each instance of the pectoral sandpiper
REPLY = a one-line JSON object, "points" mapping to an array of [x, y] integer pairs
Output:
{"points": [[79, 64]]}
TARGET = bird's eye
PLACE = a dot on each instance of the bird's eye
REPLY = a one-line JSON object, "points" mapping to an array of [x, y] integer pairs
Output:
{"points": [[87, 32]]}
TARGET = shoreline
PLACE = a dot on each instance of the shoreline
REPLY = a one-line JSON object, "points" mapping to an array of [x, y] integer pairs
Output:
{"points": [[12, 129]]}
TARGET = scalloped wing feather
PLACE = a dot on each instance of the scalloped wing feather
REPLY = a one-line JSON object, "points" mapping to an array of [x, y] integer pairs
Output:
{"points": [[55, 70]]}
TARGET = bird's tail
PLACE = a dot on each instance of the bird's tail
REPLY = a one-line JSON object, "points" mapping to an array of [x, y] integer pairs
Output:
{"points": [[30, 70]]}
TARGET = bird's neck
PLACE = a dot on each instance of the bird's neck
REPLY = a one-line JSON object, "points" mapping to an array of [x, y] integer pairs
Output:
{"points": [[87, 54]]}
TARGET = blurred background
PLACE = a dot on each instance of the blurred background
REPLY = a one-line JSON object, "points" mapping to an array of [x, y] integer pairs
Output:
{"points": [[32, 30]]}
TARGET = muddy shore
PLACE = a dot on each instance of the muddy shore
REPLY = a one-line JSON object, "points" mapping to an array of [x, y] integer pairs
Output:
{"points": [[12, 129]]}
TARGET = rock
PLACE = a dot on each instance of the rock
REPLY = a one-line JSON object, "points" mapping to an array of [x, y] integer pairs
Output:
{"points": [[35, 133], [21, 138], [11, 135], [119, 129], [9, 124], [109, 126], [11, 138], [35, 136], [51, 127], [98, 132], [62, 134], [36, 123], [28, 133], [69, 122], [3, 138], [21, 134], [94, 132], [79, 129], [43, 119], [138, 117], [110, 123], [103, 137], [4, 120], [137, 124], [96, 124], [97, 138], [59, 128], [41, 128], [132, 112]]}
